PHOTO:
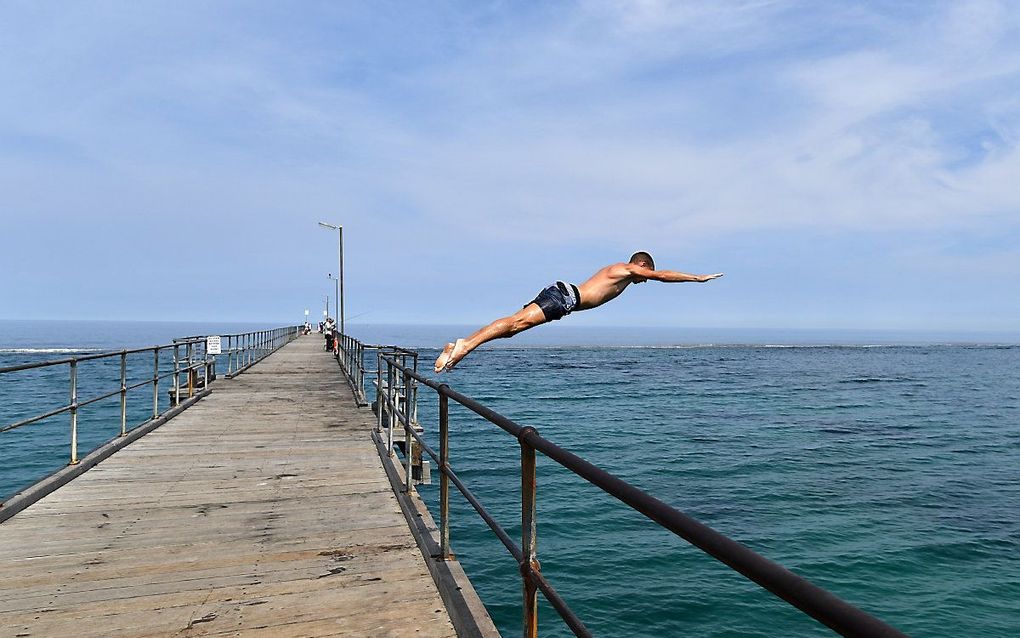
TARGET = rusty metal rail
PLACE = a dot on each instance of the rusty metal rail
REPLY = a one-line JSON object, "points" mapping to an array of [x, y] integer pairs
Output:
{"points": [[823, 606]]}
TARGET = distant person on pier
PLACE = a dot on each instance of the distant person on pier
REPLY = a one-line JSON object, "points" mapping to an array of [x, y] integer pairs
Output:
{"points": [[327, 331], [561, 298]]}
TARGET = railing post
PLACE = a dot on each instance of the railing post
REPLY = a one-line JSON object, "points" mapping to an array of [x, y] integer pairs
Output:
{"points": [[414, 394], [528, 533], [230, 352], [191, 373], [123, 393], [408, 439], [205, 364], [379, 407], [444, 467], [361, 370], [177, 375], [390, 406], [155, 383], [74, 412]]}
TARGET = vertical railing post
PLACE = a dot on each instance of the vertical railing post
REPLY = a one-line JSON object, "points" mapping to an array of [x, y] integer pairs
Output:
{"points": [[191, 373], [414, 401], [361, 370], [74, 412], [444, 467], [155, 382], [123, 393], [205, 364], [408, 439], [528, 533], [390, 406], [230, 352], [378, 390], [177, 375]]}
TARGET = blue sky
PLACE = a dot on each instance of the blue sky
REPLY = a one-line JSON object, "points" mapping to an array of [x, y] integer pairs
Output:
{"points": [[847, 164]]}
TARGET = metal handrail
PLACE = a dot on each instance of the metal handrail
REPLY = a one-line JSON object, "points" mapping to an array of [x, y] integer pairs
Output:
{"points": [[350, 355], [257, 345], [823, 606]]}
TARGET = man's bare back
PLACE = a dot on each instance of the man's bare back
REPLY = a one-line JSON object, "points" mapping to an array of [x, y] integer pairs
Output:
{"points": [[560, 299]]}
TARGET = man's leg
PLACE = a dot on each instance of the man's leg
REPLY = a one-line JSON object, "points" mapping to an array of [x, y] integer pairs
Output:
{"points": [[527, 317]]}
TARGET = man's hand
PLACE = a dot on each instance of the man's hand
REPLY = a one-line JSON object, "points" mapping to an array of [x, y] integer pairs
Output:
{"points": [[703, 278]]}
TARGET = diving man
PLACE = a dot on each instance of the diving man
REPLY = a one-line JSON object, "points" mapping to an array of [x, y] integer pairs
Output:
{"points": [[561, 298]]}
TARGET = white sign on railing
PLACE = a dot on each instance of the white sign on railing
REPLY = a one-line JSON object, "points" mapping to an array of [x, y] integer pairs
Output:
{"points": [[212, 345]]}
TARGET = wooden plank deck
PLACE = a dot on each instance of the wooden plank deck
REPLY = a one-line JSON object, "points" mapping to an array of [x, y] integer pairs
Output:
{"points": [[263, 510]]}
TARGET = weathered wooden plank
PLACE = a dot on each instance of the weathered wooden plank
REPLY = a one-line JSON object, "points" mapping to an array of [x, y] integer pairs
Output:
{"points": [[261, 511]]}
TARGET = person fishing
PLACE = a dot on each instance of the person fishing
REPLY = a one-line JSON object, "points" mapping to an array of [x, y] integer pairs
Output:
{"points": [[560, 299]]}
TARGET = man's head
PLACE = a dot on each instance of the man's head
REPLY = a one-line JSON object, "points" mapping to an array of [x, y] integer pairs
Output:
{"points": [[642, 259]]}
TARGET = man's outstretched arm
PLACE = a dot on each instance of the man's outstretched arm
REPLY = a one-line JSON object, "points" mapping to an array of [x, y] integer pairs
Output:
{"points": [[669, 275]]}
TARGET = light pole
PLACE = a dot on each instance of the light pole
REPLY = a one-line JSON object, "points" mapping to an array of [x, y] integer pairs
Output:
{"points": [[340, 263], [336, 289]]}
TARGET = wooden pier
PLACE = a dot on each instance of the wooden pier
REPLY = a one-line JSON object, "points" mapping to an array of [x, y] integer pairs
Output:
{"points": [[263, 510]]}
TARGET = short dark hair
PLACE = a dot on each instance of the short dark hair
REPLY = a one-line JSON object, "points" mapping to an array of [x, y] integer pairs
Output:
{"points": [[640, 256]]}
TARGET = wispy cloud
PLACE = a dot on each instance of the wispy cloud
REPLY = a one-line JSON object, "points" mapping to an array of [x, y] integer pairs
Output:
{"points": [[612, 123]]}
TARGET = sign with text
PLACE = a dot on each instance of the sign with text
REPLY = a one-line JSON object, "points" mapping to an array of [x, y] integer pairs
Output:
{"points": [[212, 345]]}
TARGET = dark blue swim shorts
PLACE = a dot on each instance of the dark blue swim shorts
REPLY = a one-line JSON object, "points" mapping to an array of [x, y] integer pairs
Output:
{"points": [[558, 300]]}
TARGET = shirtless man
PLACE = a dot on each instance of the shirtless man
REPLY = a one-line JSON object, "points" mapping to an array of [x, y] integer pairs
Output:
{"points": [[561, 298]]}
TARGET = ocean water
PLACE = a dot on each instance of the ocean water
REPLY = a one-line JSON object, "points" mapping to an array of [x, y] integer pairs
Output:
{"points": [[36, 450], [888, 474]]}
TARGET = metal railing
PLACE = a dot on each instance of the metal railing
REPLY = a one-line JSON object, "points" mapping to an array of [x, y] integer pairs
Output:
{"points": [[190, 357], [812, 600], [350, 355], [245, 349]]}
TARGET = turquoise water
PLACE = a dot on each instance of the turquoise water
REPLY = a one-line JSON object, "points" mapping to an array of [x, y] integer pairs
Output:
{"points": [[889, 475], [36, 450]]}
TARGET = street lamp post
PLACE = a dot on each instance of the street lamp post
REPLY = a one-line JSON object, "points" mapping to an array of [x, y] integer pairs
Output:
{"points": [[340, 263], [336, 288]]}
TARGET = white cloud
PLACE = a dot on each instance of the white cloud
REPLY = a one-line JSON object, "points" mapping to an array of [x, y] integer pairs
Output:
{"points": [[609, 123]]}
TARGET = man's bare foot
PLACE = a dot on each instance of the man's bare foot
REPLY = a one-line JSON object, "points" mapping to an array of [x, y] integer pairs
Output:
{"points": [[459, 352], [441, 362]]}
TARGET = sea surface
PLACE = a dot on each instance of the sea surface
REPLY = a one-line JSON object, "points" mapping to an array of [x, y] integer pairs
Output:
{"points": [[881, 467]]}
